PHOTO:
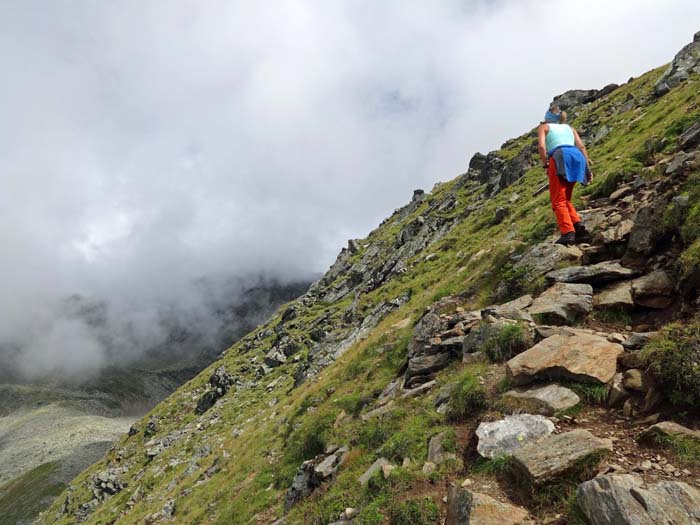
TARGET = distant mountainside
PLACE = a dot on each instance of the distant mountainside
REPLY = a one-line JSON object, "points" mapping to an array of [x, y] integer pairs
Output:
{"points": [[456, 364], [54, 426]]}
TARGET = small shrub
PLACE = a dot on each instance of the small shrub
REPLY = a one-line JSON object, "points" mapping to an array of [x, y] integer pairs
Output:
{"points": [[466, 396], [377, 430], [506, 341], [352, 403], [686, 449], [674, 359], [515, 282], [420, 511]]}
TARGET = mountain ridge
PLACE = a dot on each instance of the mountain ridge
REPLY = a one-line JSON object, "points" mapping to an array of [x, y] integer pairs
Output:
{"points": [[280, 428]]}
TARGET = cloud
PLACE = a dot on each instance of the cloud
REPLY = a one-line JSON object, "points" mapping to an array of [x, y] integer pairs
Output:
{"points": [[148, 144]]}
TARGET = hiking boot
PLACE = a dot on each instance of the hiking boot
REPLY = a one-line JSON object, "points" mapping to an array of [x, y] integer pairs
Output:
{"points": [[568, 239], [582, 234]]}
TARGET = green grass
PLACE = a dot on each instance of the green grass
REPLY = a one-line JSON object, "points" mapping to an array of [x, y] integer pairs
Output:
{"points": [[24, 497], [466, 396], [673, 358], [273, 441], [505, 341], [497, 466]]}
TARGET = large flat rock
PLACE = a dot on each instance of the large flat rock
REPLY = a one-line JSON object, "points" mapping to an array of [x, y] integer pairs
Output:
{"points": [[579, 356], [506, 435], [563, 303], [603, 272], [618, 295], [618, 499], [550, 457], [471, 508], [546, 256], [546, 400]]}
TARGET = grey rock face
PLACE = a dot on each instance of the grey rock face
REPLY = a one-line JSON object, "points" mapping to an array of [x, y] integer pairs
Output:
{"points": [[546, 400], [654, 290], [603, 272], [509, 434], [690, 137], [303, 485], [220, 383], [618, 499], [686, 61], [554, 455], [563, 303]]}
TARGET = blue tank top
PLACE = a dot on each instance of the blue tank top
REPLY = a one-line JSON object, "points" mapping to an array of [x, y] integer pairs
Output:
{"points": [[559, 135]]}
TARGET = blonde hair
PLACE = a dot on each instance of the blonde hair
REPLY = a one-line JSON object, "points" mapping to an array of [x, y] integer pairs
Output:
{"points": [[562, 114]]}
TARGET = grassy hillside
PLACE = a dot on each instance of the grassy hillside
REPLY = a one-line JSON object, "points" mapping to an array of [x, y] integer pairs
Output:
{"points": [[351, 333]]}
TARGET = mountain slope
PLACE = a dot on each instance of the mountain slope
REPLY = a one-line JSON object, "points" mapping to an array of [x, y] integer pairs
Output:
{"points": [[352, 362]]}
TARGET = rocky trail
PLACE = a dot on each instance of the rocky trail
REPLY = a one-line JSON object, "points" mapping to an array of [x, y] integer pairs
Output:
{"points": [[618, 435]]}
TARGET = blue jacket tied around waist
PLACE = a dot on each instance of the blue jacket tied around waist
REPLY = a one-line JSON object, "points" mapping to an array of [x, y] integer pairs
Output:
{"points": [[571, 164]]}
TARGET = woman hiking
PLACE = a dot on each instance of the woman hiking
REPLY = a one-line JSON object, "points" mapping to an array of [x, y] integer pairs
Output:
{"points": [[565, 158]]}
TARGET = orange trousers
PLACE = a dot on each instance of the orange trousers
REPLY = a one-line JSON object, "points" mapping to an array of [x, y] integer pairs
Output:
{"points": [[560, 191]]}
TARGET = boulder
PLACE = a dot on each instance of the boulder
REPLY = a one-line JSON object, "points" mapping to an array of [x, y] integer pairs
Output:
{"points": [[505, 436], [617, 394], [667, 429], [563, 303], [637, 340], [465, 507], [690, 137], [303, 484], [616, 234], [372, 470], [514, 310], [654, 290], [616, 296], [436, 450], [635, 379], [544, 257], [580, 356], [546, 400], [606, 271], [422, 368], [556, 455], [615, 499]]}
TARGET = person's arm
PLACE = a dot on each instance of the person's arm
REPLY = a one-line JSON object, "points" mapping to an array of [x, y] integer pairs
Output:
{"points": [[541, 135], [580, 145]]}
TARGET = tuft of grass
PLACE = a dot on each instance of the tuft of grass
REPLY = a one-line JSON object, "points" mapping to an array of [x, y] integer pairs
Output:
{"points": [[673, 358], [594, 393], [686, 449], [614, 316], [505, 341], [497, 466], [418, 511], [466, 396]]}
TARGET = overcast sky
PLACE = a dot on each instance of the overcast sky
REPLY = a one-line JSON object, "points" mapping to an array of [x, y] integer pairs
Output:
{"points": [[144, 144]]}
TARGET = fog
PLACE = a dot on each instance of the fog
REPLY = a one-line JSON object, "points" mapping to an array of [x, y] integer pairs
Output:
{"points": [[147, 145]]}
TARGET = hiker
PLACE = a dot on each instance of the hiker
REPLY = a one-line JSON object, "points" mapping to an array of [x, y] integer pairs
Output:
{"points": [[565, 158]]}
